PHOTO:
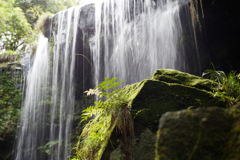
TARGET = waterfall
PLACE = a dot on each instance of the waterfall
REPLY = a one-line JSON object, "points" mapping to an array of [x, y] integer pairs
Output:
{"points": [[133, 38], [32, 114], [46, 116], [128, 39]]}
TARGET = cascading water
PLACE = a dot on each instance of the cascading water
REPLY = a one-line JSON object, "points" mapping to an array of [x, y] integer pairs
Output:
{"points": [[32, 113], [46, 116], [132, 39]]}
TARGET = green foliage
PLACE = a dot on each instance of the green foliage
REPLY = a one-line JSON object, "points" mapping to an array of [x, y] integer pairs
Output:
{"points": [[59, 5], [14, 28], [33, 9], [9, 56], [18, 18], [42, 21], [10, 98], [113, 112], [228, 86], [74, 158], [47, 147], [104, 90]]}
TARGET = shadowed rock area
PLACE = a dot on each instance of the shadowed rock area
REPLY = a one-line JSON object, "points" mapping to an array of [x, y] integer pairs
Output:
{"points": [[203, 133]]}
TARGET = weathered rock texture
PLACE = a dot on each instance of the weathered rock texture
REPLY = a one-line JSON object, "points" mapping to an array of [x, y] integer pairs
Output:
{"points": [[203, 133]]}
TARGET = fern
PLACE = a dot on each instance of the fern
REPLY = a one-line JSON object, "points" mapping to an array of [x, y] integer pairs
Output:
{"points": [[113, 113]]}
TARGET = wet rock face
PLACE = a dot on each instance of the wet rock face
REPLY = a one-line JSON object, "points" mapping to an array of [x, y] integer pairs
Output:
{"points": [[86, 22], [87, 19], [204, 133]]}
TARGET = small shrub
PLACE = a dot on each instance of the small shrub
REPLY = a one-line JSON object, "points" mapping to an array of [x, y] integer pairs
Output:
{"points": [[114, 112], [10, 98], [228, 85], [9, 56]]}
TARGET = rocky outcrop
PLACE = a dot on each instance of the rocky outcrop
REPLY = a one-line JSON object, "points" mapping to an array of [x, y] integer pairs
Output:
{"points": [[168, 90], [203, 133], [174, 76]]}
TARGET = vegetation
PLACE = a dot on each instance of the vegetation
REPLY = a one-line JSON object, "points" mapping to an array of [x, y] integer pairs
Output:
{"points": [[47, 147], [10, 100], [33, 9], [9, 56], [110, 114], [15, 31], [228, 88], [18, 19]]}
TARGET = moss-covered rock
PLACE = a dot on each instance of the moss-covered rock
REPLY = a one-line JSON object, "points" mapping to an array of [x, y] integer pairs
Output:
{"points": [[145, 148], [154, 98], [203, 133], [151, 98], [174, 76]]}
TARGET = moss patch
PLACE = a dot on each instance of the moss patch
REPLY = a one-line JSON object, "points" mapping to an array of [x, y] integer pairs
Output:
{"points": [[232, 149], [145, 148], [95, 137], [174, 76], [151, 98], [204, 133]]}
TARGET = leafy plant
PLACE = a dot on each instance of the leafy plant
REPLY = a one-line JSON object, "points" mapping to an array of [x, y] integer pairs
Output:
{"points": [[113, 113], [104, 90], [47, 147], [10, 98], [9, 56], [228, 88], [74, 158], [15, 31]]}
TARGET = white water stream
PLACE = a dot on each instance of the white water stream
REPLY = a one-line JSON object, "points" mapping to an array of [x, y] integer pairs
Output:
{"points": [[46, 116], [133, 38]]}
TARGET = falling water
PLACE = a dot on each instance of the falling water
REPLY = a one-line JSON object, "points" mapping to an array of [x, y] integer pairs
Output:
{"points": [[133, 38], [46, 116]]}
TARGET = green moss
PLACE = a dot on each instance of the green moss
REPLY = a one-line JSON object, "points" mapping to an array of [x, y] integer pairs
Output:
{"points": [[204, 133], [3, 65], [95, 137], [174, 76], [10, 98], [232, 148], [145, 149], [9, 56], [149, 99], [194, 134]]}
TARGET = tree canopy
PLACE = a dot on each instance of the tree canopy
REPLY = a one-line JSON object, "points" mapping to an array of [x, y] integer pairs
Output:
{"points": [[14, 28], [18, 18]]}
